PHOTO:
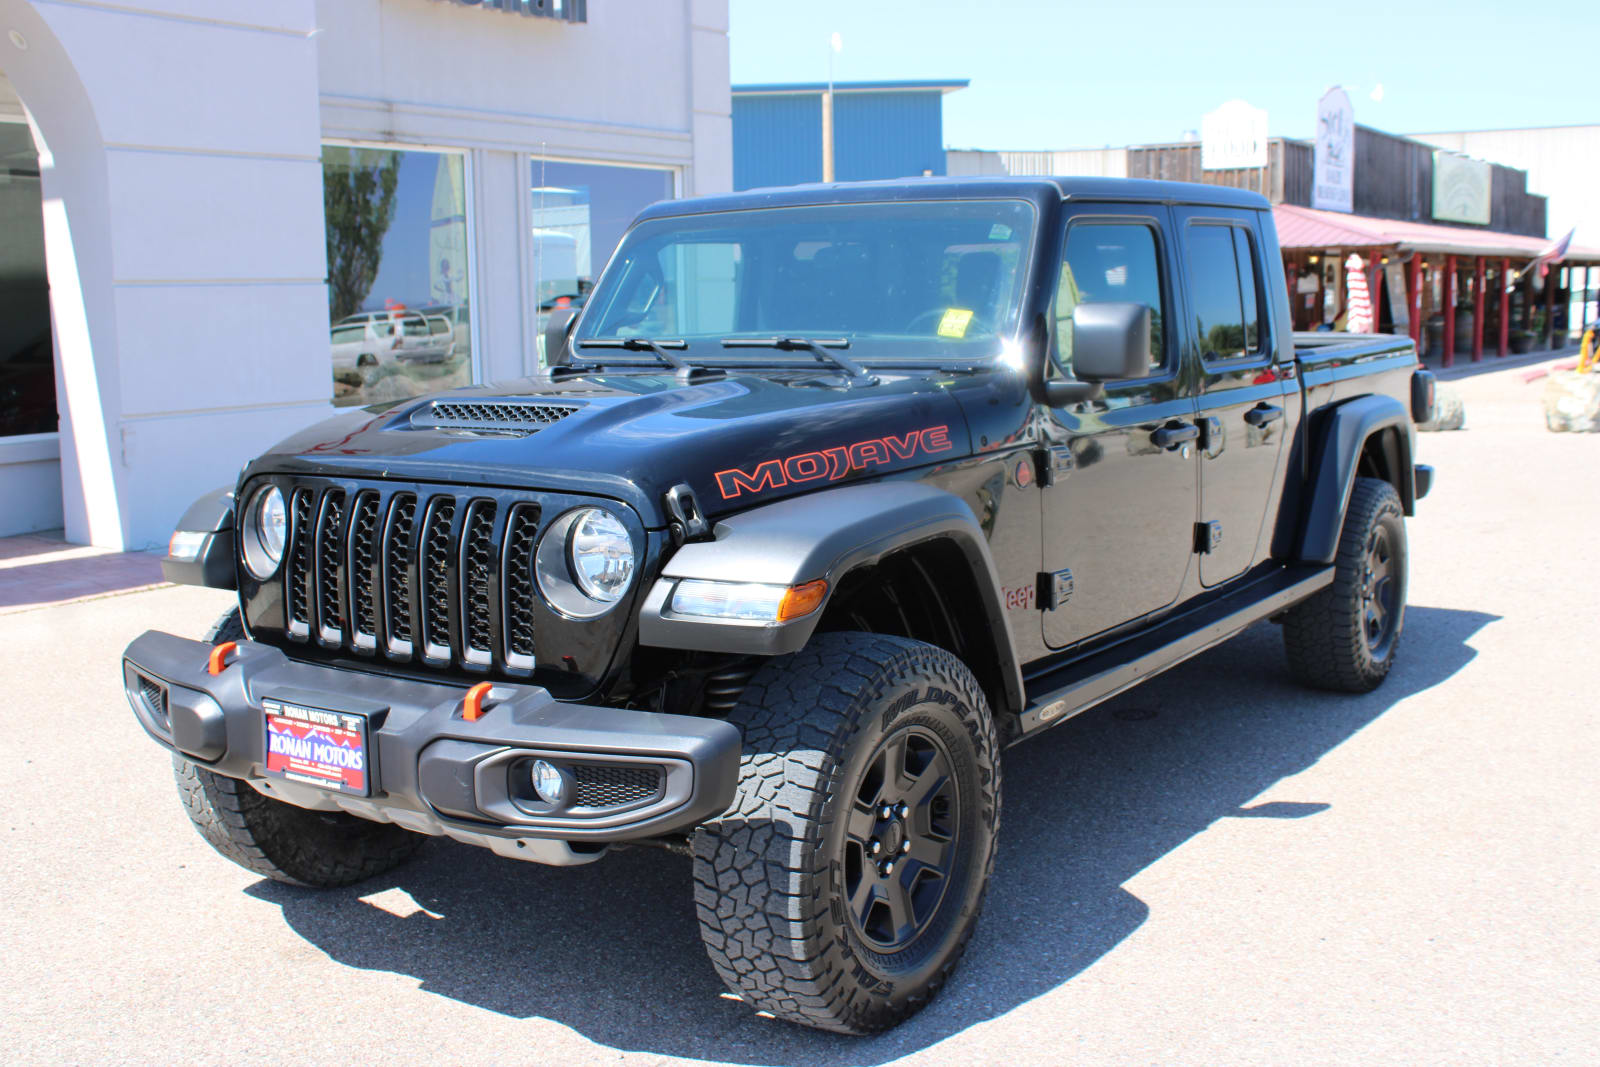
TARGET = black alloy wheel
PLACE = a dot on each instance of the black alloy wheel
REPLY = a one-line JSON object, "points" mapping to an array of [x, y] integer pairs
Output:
{"points": [[901, 839], [1379, 592]]}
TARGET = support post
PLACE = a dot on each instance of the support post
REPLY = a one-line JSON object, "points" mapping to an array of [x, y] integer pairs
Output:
{"points": [[1414, 298], [1505, 307], [1477, 309], [1449, 310], [1550, 279], [827, 135]]}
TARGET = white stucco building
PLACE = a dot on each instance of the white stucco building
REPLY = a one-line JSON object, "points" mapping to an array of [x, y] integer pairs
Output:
{"points": [[250, 212]]}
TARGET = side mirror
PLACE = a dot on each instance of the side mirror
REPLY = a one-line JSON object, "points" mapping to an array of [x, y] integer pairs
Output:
{"points": [[556, 329], [1110, 342]]}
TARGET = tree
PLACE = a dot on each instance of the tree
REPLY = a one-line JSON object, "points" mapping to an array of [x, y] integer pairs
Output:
{"points": [[358, 187]]}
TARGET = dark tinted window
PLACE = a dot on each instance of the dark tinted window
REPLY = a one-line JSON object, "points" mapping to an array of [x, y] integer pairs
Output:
{"points": [[1109, 262], [1223, 281], [1249, 278]]}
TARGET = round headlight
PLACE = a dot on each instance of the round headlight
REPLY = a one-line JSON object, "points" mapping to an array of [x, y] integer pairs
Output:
{"points": [[263, 532], [584, 562], [602, 555]]}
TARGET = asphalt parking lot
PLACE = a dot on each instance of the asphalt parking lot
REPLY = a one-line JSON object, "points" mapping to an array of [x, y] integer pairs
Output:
{"points": [[1214, 868]]}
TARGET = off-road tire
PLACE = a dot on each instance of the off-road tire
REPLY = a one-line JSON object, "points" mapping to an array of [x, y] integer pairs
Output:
{"points": [[1326, 635], [771, 873], [280, 841], [227, 628]]}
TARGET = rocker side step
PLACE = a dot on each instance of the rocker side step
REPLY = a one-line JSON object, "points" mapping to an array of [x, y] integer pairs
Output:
{"points": [[1078, 684]]}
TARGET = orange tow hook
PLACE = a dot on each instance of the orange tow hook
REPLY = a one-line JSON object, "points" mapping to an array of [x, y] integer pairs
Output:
{"points": [[472, 708], [219, 656]]}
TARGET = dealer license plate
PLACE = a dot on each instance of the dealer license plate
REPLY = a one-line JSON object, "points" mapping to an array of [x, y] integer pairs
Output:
{"points": [[317, 746]]}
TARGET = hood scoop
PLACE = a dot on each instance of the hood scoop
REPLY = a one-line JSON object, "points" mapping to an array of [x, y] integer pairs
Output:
{"points": [[492, 416]]}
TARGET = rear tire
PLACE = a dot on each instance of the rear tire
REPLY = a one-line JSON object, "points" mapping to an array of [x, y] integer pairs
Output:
{"points": [[1345, 637], [842, 886], [277, 840]]}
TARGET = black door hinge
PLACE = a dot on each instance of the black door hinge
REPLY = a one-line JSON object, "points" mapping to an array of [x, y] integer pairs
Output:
{"points": [[1053, 464], [1207, 536], [1055, 589]]}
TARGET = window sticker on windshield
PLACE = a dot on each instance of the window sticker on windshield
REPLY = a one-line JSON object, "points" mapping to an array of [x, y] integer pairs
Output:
{"points": [[999, 232], [955, 322]]}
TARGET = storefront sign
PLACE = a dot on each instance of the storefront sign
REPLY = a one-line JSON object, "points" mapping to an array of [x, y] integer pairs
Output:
{"points": [[1233, 136], [1333, 162], [1460, 188], [567, 10]]}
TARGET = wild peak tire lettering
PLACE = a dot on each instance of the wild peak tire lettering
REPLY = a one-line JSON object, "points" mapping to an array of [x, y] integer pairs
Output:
{"points": [[832, 463]]}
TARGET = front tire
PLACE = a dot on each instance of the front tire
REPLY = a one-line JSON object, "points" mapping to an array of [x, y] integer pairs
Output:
{"points": [[280, 841], [841, 887], [1345, 637]]}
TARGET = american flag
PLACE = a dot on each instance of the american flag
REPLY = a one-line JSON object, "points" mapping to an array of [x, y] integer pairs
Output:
{"points": [[1554, 252]]}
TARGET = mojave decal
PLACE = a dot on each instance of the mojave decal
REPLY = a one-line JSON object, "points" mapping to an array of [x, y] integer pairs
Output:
{"points": [[833, 463]]}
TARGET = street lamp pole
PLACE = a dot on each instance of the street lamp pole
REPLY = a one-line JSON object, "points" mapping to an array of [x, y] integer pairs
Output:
{"points": [[834, 45]]}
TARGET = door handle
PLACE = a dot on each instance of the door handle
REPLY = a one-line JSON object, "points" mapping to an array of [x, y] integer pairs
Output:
{"points": [[1262, 414], [1172, 435]]}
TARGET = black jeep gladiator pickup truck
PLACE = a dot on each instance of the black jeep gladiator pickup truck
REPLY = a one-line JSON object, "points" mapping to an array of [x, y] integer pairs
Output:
{"points": [[828, 495]]}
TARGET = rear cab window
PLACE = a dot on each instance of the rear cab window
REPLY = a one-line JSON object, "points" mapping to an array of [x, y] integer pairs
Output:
{"points": [[1225, 291]]}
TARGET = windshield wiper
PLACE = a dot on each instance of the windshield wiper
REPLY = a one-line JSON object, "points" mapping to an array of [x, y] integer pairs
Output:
{"points": [[818, 347], [686, 371]]}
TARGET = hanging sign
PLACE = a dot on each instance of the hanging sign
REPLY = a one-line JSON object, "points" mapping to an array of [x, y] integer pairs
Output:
{"points": [[1460, 188], [1232, 137], [1333, 160]]}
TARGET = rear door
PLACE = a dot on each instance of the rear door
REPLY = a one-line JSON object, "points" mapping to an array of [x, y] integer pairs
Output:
{"points": [[1119, 509], [1241, 404]]}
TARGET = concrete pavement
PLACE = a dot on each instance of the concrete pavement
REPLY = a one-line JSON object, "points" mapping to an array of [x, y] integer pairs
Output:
{"points": [[1215, 868]]}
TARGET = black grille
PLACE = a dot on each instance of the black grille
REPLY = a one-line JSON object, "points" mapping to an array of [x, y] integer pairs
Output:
{"points": [[362, 574], [477, 577], [523, 416], [154, 695], [610, 785], [441, 577], [436, 579], [398, 547], [299, 570], [330, 539], [518, 599]]}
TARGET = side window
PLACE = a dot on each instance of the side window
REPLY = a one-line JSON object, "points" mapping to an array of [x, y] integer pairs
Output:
{"points": [[1109, 262], [1223, 281]]}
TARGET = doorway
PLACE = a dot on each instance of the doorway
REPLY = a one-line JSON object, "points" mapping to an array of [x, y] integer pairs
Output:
{"points": [[30, 468]]}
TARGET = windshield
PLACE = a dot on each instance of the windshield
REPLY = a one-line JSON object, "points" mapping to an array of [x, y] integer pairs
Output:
{"points": [[924, 279]]}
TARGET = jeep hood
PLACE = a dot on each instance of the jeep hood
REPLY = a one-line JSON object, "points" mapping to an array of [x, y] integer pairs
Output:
{"points": [[736, 441]]}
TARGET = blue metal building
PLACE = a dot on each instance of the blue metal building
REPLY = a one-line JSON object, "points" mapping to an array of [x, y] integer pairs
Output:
{"points": [[881, 129]]}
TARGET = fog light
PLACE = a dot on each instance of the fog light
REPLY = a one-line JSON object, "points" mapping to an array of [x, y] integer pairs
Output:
{"points": [[548, 782]]}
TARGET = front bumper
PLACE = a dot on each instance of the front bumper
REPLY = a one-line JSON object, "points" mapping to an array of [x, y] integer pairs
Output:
{"points": [[431, 770]]}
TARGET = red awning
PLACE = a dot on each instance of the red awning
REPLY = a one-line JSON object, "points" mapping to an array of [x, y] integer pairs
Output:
{"points": [[1307, 229]]}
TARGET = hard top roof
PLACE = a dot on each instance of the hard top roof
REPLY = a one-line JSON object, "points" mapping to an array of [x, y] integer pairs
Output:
{"points": [[913, 189]]}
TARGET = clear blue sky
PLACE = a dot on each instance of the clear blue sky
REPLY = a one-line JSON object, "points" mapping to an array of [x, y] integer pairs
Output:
{"points": [[1067, 74]]}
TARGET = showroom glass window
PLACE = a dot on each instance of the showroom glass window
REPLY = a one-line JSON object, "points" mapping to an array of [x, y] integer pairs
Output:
{"points": [[27, 361], [398, 276], [580, 211]]}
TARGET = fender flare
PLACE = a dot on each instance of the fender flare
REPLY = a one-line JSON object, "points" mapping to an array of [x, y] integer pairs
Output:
{"points": [[1343, 433], [821, 535], [212, 516]]}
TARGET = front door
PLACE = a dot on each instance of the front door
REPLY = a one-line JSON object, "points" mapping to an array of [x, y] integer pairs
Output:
{"points": [[1240, 404], [1120, 507]]}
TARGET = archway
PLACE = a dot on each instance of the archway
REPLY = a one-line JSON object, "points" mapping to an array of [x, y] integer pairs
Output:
{"points": [[75, 215]]}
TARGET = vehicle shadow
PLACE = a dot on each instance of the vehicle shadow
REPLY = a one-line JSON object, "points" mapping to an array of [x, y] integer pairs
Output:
{"points": [[612, 950]]}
